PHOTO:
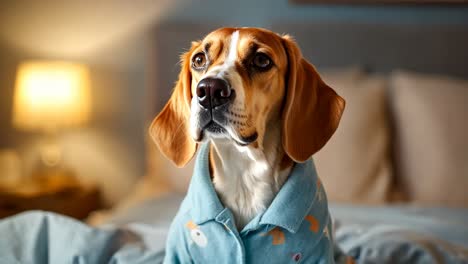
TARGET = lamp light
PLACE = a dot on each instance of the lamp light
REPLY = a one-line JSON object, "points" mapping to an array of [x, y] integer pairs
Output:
{"points": [[49, 96]]}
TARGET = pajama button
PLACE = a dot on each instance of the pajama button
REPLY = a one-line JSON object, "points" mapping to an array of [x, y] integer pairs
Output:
{"points": [[297, 257], [198, 237]]}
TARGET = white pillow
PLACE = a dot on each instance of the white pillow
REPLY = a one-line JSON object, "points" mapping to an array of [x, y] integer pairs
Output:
{"points": [[355, 164], [431, 114]]}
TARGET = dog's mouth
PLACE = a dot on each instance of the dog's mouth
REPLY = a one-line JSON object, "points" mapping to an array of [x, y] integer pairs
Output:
{"points": [[215, 130]]}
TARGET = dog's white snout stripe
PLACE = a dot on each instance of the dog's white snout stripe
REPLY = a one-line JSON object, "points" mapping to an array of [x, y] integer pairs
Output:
{"points": [[232, 55], [228, 65]]}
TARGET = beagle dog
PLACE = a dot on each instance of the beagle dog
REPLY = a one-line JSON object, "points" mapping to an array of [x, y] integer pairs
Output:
{"points": [[257, 109]]}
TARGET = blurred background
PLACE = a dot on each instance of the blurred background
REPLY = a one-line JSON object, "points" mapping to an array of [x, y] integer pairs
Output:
{"points": [[124, 58]]}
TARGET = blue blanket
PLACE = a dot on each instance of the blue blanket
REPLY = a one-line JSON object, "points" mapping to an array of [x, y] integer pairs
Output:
{"points": [[372, 235], [402, 234], [41, 237]]}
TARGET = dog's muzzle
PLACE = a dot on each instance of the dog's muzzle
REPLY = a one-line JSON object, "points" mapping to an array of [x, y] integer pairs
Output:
{"points": [[214, 96]]}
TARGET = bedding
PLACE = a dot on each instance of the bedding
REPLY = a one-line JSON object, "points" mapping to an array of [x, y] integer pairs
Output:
{"points": [[393, 234]]}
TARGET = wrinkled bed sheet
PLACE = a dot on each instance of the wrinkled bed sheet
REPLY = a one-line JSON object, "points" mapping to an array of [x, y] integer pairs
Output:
{"points": [[397, 234]]}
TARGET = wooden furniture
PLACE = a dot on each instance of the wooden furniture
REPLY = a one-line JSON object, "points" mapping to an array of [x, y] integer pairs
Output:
{"points": [[52, 192]]}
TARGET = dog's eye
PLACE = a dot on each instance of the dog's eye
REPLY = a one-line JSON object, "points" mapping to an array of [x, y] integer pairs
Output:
{"points": [[262, 61], [199, 61]]}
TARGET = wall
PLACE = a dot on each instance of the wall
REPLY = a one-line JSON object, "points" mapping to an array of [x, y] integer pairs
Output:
{"points": [[261, 13]]}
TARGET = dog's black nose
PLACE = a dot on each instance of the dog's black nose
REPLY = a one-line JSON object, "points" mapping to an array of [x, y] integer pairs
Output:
{"points": [[213, 92]]}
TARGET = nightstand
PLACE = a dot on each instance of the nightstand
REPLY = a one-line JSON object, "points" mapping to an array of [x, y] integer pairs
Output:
{"points": [[53, 192]]}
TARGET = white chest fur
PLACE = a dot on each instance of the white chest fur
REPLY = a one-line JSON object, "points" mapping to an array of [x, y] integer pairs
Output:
{"points": [[246, 179]]}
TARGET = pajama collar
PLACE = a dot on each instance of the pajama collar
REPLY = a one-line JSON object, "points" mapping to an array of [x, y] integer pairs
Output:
{"points": [[287, 210]]}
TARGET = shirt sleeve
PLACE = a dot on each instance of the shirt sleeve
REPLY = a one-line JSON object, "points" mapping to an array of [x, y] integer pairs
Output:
{"points": [[176, 246]]}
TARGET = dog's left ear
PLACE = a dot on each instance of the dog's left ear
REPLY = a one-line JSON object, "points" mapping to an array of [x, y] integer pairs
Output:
{"points": [[170, 129], [312, 109]]}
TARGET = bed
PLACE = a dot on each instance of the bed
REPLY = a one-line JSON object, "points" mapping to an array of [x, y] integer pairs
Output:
{"points": [[391, 234], [394, 199]]}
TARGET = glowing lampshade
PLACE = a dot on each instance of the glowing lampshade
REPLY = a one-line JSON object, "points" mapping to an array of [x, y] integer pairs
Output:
{"points": [[51, 95]]}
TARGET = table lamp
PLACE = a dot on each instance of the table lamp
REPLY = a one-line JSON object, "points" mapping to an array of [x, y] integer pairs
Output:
{"points": [[51, 96]]}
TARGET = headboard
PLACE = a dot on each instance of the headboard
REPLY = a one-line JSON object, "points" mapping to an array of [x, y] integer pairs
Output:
{"points": [[426, 48]]}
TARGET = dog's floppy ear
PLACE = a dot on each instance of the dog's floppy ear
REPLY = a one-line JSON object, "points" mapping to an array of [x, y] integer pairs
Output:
{"points": [[170, 129], [312, 109]]}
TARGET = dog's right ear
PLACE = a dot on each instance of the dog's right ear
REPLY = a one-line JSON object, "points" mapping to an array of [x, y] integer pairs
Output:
{"points": [[170, 129], [312, 110]]}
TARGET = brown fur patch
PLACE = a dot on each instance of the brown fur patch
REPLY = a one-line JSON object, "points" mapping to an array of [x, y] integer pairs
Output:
{"points": [[211, 165], [265, 110], [170, 129], [243, 74], [312, 109]]}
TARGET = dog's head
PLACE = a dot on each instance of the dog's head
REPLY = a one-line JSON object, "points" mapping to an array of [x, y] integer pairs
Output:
{"points": [[234, 83]]}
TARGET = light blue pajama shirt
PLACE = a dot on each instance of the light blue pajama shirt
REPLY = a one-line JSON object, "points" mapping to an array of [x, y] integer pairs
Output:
{"points": [[296, 228]]}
